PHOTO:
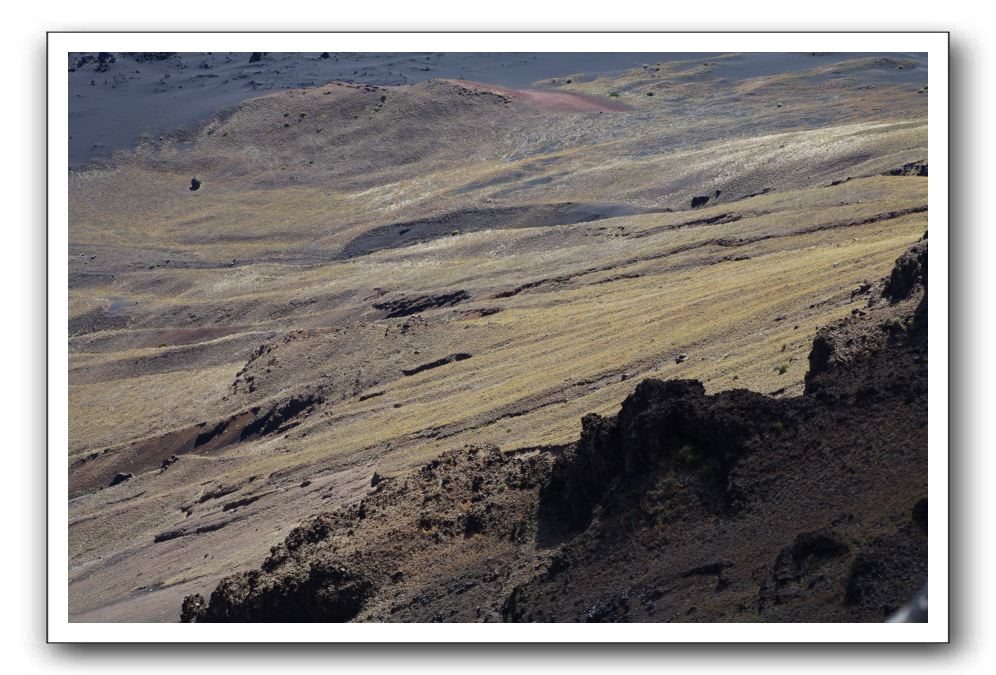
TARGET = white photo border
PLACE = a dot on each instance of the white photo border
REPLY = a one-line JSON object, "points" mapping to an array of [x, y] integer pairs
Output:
{"points": [[934, 44]]}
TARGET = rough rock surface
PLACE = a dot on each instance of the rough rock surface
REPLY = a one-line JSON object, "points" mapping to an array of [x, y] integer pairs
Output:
{"points": [[684, 507]]}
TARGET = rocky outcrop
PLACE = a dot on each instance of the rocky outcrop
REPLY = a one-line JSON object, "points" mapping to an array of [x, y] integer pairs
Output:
{"points": [[685, 506], [408, 305], [320, 590], [918, 168], [910, 271], [452, 358], [669, 422]]}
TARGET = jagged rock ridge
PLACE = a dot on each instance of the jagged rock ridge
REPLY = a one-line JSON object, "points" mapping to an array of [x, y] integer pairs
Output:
{"points": [[684, 507]]}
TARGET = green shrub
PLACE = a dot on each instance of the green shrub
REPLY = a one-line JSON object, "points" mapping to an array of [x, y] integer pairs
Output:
{"points": [[614, 94], [782, 369], [688, 455]]}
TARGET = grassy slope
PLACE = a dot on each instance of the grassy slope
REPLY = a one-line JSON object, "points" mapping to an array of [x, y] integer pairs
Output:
{"points": [[254, 252]]}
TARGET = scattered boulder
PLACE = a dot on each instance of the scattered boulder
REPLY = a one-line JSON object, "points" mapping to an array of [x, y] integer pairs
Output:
{"points": [[408, 305], [121, 478], [104, 61], [680, 358], [918, 168], [193, 608], [194, 184], [700, 201]]}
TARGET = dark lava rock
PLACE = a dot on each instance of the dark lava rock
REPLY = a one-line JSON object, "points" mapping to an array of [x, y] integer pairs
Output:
{"points": [[800, 565], [436, 364], [699, 201], [121, 478], [910, 269], [893, 561], [193, 608], [671, 421], [104, 61], [194, 184], [322, 592], [918, 168], [408, 305], [685, 506], [920, 513]]}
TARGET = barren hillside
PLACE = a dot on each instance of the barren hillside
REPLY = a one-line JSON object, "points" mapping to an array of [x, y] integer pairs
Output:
{"points": [[369, 277]]}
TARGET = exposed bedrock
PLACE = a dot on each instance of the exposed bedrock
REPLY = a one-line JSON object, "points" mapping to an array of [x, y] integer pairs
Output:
{"points": [[685, 506], [408, 305]]}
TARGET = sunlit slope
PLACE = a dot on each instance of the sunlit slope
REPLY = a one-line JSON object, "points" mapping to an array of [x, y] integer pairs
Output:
{"points": [[192, 311]]}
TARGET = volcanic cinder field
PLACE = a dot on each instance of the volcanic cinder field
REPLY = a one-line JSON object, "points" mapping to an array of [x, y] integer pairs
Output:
{"points": [[406, 261]]}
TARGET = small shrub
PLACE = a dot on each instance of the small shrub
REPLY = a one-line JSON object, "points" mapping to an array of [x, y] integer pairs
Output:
{"points": [[784, 347], [782, 369], [454, 233], [163, 345], [650, 93], [286, 114], [614, 94], [286, 125], [688, 455]]}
